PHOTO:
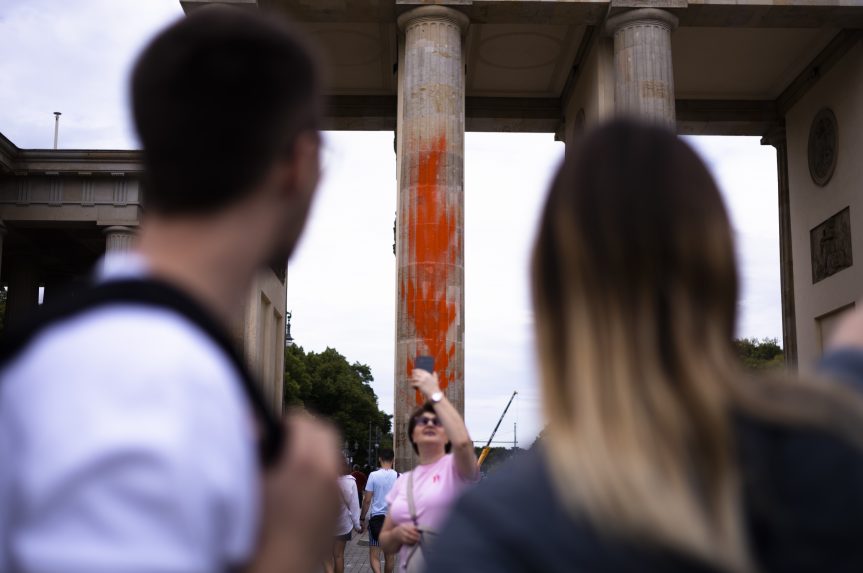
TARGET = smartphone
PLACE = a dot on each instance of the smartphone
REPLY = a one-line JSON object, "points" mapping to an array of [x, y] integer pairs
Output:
{"points": [[425, 363]]}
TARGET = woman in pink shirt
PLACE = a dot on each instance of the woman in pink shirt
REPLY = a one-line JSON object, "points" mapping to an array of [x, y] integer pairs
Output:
{"points": [[434, 430]]}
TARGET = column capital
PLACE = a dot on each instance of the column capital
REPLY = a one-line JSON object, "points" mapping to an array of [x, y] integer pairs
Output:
{"points": [[433, 13], [118, 239], [775, 136], [119, 230], [641, 17]]}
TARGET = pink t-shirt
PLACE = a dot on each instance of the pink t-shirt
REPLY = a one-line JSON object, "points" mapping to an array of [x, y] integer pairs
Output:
{"points": [[436, 487]]}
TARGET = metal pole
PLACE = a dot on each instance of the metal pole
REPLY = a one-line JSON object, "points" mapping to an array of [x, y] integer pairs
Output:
{"points": [[515, 435], [369, 456], [56, 127]]}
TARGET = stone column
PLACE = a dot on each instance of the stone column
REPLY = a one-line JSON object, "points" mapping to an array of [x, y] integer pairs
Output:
{"points": [[2, 235], [776, 138], [644, 78], [430, 219], [118, 239]]}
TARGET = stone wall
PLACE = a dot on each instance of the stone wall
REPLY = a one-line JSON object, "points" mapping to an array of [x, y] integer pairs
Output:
{"points": [[827, 252]]}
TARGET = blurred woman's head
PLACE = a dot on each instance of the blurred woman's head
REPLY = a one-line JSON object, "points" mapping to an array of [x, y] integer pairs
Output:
{"points": [[426, 432], [635, 289]]}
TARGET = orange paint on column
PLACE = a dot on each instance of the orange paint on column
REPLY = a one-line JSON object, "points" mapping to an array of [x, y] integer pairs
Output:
{"points": [[432, 238]]}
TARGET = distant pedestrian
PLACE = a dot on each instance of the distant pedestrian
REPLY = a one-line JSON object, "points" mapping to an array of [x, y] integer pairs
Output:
{"points": [[361, 479], [348, 522], [375, 506]]}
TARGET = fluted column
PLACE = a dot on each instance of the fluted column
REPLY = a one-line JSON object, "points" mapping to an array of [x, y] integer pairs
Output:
{"points": [[777, 138], [644, 76], [2, 235], [430, 220], [118, 239]]}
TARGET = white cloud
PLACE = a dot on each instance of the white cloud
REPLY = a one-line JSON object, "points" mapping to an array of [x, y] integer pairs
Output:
{"points": [[73, 57]]}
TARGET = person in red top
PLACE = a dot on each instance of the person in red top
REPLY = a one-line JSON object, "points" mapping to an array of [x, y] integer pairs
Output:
{"points": [[361, 482]]}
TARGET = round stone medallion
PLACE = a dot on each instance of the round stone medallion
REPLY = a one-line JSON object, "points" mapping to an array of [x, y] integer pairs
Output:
{"points": [[823, 146]]}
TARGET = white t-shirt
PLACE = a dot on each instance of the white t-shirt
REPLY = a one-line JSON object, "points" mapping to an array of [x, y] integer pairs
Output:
{"points": [[380, 483], [126, 445], [349, 517]]}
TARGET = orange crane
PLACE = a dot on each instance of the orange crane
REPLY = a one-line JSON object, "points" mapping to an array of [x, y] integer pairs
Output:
{"points": [[484, 454]]}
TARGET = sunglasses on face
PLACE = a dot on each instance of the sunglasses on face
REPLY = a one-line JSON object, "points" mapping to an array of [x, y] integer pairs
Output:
{"points": [[427, 421]]}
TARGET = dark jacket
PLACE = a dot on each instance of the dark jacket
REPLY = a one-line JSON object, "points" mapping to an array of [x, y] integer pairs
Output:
{"points": [[803, 494]]}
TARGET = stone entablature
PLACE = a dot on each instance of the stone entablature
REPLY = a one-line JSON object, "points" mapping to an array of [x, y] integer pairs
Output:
{"points": [[92, 186]]}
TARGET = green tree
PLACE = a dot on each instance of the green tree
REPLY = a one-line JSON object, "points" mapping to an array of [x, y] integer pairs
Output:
{"points": [[760, 354], [327, 384]]}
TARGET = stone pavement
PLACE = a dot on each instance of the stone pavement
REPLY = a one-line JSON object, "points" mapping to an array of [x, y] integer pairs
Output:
{"points": [[357, 555]]}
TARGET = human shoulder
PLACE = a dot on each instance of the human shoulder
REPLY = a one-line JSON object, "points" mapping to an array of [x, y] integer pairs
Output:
{"points": [[123, 342], [803, 496], [789, 463]]}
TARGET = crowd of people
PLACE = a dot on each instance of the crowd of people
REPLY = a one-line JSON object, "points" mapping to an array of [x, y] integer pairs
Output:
{"points": [[133, 439]]}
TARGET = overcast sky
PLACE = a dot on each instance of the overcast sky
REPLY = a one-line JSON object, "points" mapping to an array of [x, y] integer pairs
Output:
{"points": [[74, 57]]}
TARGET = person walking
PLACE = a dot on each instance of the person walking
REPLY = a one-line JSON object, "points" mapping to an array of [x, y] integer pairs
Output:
{"points": [[420, 499], [662, 454], [377, 488], [132, 437], [348, 521], [361, 479]]}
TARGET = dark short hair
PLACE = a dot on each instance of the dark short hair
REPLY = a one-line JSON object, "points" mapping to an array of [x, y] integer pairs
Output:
{"points": [[386, 455], [217, 98], [412, 423]]}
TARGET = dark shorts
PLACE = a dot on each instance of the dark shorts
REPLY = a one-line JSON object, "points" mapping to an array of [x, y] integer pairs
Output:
{"points": [[345, 537], [376, 523]]}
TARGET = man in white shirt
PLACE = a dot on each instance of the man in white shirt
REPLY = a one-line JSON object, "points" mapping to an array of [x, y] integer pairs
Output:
{"points": [[379, 484], [129, 431]]}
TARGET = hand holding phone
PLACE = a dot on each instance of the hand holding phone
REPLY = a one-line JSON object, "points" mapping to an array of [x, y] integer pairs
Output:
{"points": [[425, 363]]}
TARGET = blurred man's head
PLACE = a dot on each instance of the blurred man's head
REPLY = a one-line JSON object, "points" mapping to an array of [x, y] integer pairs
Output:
{"points": [[227, 103], [386, 456]]}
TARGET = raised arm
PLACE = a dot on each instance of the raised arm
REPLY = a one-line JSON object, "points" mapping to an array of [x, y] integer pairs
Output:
{"points": [[462, 445]]}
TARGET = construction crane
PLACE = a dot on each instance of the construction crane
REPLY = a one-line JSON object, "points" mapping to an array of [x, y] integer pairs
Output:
{"points": [[484, 454]]}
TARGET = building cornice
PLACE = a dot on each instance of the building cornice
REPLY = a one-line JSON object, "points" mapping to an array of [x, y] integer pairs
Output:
{"points": [[91, 161]]}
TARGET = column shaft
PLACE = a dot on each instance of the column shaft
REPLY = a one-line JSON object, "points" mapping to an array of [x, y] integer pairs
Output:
{"points": [[644, 76], [118, 239], [2, 235], [430, 219], [777, 139]]}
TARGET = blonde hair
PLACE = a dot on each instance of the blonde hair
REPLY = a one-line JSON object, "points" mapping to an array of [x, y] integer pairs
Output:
{"points": [[635, 290]]}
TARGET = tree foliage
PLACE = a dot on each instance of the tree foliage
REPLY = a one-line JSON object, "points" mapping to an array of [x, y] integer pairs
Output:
{"points": [[327, 384], [760, 354]]}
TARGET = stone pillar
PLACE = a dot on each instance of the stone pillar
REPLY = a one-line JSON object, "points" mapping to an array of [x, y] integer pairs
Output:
{"points": [[2, 235], [776, 138], [430, 245], [644, 78], [118, 239]]}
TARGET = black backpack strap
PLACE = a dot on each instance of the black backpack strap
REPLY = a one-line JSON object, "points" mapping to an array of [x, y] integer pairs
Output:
{"points": [[155, 293]]}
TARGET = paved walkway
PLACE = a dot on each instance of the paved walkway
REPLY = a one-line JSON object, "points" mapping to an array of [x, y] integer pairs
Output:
{"points": [[357, 555]]}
